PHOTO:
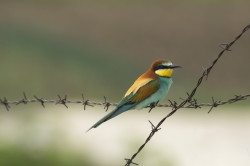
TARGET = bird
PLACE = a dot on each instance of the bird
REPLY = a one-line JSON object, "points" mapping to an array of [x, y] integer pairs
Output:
{"points": [[150, 88]]}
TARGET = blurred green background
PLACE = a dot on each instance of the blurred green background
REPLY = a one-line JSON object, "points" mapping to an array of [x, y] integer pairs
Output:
{"points": [[99, 47]]}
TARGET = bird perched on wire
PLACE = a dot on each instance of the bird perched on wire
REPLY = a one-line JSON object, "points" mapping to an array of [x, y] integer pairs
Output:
{"points": [[150, 88]]}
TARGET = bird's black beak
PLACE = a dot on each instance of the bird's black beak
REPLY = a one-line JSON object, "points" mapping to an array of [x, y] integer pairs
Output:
{"points": [[175, 66]]}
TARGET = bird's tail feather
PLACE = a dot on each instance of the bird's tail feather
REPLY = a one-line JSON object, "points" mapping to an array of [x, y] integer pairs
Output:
{"points": [[112, 114]]}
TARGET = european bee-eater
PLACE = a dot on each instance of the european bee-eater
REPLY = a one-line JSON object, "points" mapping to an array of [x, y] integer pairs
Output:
{"points": [[151, 87]]}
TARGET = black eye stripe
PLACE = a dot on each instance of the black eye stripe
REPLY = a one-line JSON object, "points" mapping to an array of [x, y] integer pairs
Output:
{"points": [[162, 67]]}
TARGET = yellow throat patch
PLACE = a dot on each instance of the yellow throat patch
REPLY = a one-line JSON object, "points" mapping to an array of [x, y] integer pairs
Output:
{"points": [[164, 72]]}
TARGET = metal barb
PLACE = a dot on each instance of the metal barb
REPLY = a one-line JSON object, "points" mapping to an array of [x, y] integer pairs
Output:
{"points": [[62, 101], [205, 72], [173, 104], [189, 97], [194, 104], [41, 100], [214, 104], [129, 161], [85, 103], [225, 46], [152, 106], [5, 102], [154, 129], [24, 100], [106, 104]]}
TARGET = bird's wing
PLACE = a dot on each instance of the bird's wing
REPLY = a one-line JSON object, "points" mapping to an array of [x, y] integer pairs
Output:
{"points": [[141, 93], [131, 100], [137, 85]]}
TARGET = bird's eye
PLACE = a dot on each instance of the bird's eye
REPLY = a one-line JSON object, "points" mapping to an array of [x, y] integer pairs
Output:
{"points": [[164, 67], [161, 67]]}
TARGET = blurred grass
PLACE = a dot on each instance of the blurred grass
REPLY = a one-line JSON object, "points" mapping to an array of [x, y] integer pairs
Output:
{"points": [[13, 155]]}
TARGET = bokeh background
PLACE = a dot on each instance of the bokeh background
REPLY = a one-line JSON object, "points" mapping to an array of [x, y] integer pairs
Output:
{"points": [[99, 47]]}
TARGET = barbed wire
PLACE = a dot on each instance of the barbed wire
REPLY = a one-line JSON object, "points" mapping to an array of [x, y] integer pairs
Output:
{"points": [[188, 102], [64, 101], [205, 74]]}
